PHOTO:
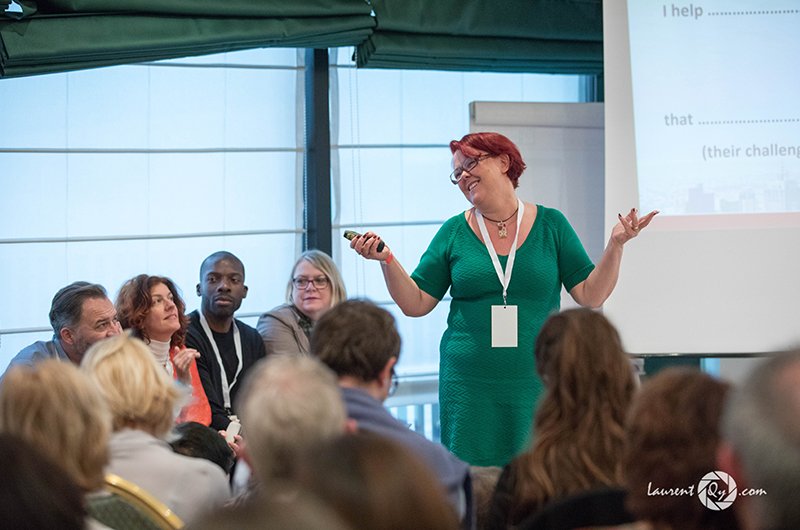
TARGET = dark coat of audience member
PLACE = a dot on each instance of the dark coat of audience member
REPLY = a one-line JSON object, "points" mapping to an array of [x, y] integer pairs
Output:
{"points": [[36, 494]]}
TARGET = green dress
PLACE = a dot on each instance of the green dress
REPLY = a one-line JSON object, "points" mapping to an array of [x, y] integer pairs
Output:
{"points": [[487, 395]]}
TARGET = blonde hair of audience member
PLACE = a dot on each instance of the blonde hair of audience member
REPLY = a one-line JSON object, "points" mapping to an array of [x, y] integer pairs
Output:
{"points": [[672, 434], [321, 261], [287, 404], [579, 426], [374, 483], [60, 411], [139, 393]]}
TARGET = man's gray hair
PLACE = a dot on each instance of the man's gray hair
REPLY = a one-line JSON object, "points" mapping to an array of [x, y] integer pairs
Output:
{"points": [[288, 404], [67, 306], [761, 421]]}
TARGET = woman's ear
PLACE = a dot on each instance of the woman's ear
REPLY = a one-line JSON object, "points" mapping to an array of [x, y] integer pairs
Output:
{"points": [[505, 163]]}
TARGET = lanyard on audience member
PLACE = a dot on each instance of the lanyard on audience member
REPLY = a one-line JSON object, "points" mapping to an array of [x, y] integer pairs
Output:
{"points": [[505, 279], [237, 344]]}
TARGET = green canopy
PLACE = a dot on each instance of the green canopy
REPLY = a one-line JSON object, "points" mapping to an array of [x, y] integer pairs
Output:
{"points": [[46, 36], [543, 36]]}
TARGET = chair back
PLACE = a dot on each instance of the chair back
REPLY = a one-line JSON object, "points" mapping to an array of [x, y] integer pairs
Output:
{"points": [[129, 507]]}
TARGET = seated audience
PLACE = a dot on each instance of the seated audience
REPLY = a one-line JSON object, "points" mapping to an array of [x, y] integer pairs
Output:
{"points": [[288, 404], [143, 400], [314, 286], [672, 435], [81, 314], [578, 427], [152, 307], [375, 483], [199, 441], [37, 493], [359, 342], [228, 347], [760, 446]]}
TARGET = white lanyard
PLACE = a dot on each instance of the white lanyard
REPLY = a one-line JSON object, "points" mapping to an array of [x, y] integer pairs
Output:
{"points": [[237, 344], [505, 279]]}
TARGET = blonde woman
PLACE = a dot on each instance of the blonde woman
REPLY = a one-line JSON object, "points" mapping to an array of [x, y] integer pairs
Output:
{"points": [[314, 286], [59, 413], [55, 407], [143, 400]]}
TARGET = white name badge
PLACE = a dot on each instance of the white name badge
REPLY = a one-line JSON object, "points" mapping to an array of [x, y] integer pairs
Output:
{"points": [[504, 326]]}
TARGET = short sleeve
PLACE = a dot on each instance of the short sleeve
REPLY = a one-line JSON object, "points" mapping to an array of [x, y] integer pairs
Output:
{"points": [[574, 265], [432, 275]]}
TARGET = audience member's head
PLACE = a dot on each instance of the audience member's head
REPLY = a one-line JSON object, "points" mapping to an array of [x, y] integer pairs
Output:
{"points": [[138, 391], [373, 483], [199, 441], [81, 314], [311, 299], [37, 493], [671, 444], [58, 410], [359, 342], [761, 444], [300, 512], [579, 426], [221, 286], [287, 404], [153, 308]]}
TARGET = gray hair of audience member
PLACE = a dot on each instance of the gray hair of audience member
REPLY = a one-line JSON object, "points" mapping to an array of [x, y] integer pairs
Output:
{"points": [[326, 266], [356, 338], [761, 421], [67, 306], [288, 403]]}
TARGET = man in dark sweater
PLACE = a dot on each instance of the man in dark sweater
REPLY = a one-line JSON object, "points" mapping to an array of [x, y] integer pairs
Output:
{"points": [[360, 343], [228, 347]]}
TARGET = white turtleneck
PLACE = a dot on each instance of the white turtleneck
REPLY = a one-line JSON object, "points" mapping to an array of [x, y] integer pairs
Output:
{"points": [[161, 352]]}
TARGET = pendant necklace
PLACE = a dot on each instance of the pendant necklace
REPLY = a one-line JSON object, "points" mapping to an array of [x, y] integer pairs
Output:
{"points": [[502, 227]]}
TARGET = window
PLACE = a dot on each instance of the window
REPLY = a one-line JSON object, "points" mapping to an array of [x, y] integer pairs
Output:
{"points": [[113, 172]]}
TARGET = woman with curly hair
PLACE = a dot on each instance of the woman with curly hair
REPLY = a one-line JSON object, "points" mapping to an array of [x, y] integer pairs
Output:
{"points": [[152, 307], [579, 425]]}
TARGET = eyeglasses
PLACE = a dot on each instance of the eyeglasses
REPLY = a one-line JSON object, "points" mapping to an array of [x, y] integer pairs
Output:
{"points": [[320, 282], [469, 165], [395, 382]]}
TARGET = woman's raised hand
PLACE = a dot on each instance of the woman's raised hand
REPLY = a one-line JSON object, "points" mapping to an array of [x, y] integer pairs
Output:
{"points": [[629, 226], [367, 246], [182, 361]]}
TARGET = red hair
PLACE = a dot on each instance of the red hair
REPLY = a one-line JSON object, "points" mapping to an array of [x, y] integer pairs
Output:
{"points": [[495, 144], [134, 302]]}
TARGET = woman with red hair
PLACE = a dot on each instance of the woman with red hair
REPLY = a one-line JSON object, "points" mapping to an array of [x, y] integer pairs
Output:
{"points": [[488, 384], [152, 307]]}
